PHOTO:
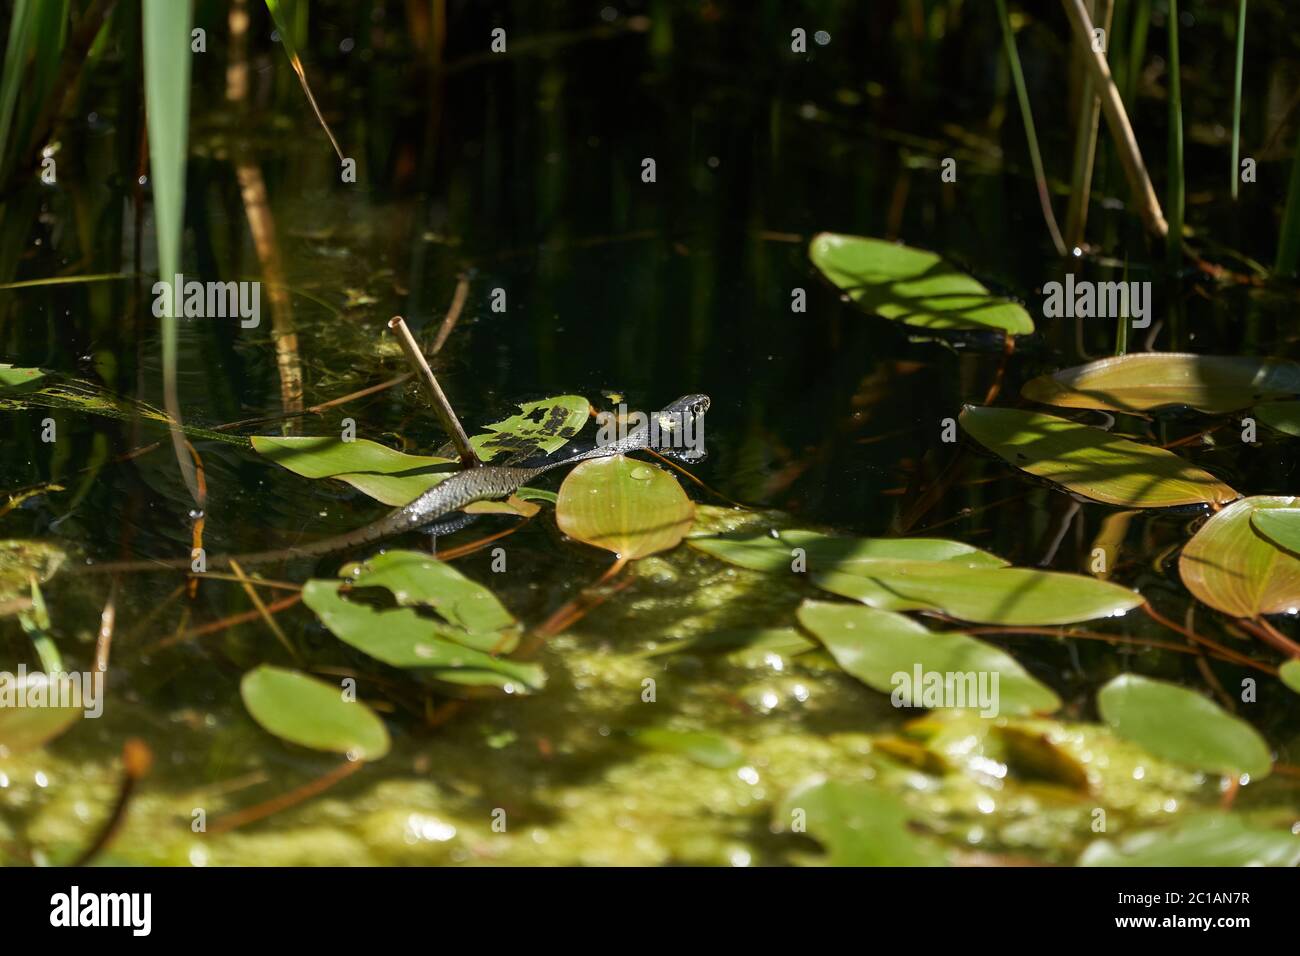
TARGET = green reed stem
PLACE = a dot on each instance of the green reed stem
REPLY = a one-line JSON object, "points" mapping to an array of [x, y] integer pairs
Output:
{"points": [[1176, 189], [1236, 97]]}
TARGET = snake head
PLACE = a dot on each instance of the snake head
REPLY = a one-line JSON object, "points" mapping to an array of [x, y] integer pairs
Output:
{"points": [[681, 428]]}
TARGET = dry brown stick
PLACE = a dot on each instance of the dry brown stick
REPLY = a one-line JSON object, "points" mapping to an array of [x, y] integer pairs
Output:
{"points": [[1126, 145], [226, 622], [107, 621], [452, 425]]}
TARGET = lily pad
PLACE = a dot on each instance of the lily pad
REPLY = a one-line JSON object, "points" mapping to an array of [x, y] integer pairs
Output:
{"points": [[1231, 566], [1209, 839], [823, 552], [1180, 725], [1142, 381], [27, 727], [1290, 675], [1000, 596], [859, 824], [1281, 416], [396, 478], [913, 286], [312, 713], [885, 650], [1279, 525], [421, 580], [1091, 462], [404, 638], [625, 506]]}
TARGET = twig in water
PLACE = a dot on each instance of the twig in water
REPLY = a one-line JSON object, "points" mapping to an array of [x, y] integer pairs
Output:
{"points": [[441, 406], [136, 760]]}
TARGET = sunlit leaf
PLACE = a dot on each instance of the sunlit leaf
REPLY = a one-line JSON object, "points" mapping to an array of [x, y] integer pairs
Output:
{"points": [[912, 286], [1279, 525], [404, 638], [625, 506], [1180, 725], [706, 749], [1230, 566], [1091, 462], [999, 596], [312, 713], [1209, 839], [540, 428], [12, 377], [812, 551], [860, 824], [884, 650], [1289, 672], [1142, 381], [421, 580]]}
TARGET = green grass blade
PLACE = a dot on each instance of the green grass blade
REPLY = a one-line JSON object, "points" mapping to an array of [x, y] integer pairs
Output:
{"points": [[1236, 97], [167, 103], [285, 29], [16, 51]]}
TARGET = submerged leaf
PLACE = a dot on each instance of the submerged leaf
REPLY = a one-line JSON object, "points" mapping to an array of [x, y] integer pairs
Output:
{"points": [[312, 713], [1231, 566], [625, 506], [885, 651], [1091, 462], [1000, 596], [25, 723], [1209, 839], [741, 644], [22, 560], [1180, 725], [709, 750], [913, 286], [1142, 381], [860, 824]]}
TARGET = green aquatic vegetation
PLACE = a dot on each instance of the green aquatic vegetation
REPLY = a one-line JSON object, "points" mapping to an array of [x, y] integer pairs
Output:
{"points": [[1282, 416], [878, 646], [1092, 462], [1234, 568], [1145, 381], [21, 561], [861, 825], [912, 286], [625, 506], [1182, 726], [709, 750], [31, 725], [795, 549], [312, 713], [1208, 839]]}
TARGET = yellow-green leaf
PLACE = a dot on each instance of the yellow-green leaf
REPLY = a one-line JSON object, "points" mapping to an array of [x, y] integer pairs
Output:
{"points": [[312, 713], [1091, 462], [1231, 566], [625, 506]]}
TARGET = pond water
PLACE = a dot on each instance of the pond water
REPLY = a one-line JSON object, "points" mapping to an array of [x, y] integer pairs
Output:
{"points": [[523, 172]]}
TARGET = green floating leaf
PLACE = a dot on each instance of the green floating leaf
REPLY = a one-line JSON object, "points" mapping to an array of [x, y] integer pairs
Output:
{"points": [[1231, 566], [1091, 462], [1180, 725], [312, 713], [540, 428], [625, 506], [860, 824], [885, 650], [1279, 525], [1209, 839], [13, 377], [1290, 674], [1142, 381], [404, 638], [913, 286], [396, 478], [1000, 596], [26, 719], [709, 750], [474, 615], [822, 552], [373, 469], [1282, 416]]}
